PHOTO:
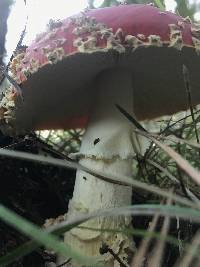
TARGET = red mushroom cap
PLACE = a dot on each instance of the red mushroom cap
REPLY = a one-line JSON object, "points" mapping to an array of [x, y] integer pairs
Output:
{"points": [[57, 70]]}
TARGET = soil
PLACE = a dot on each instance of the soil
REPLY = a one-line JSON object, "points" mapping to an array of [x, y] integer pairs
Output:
{"points": [[34, 191]]}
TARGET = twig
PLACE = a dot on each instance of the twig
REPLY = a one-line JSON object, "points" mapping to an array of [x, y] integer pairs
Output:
{"points": [[12, 81], [130, 118], [18, 45], [105, 249], [62, 264], [188, 91]]}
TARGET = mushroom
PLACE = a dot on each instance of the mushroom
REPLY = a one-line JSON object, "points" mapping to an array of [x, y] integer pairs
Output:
{"points": [[73, 75]]}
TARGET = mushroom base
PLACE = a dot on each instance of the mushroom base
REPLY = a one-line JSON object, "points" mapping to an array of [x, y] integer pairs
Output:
{"points": [[96, 195], [109, 146]]}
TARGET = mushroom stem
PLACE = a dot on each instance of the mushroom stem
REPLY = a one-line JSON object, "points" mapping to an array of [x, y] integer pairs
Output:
{"points": [[108, 145]]}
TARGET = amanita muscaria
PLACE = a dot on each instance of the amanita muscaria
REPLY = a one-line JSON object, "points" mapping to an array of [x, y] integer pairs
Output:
{"points": [[73, 75]]}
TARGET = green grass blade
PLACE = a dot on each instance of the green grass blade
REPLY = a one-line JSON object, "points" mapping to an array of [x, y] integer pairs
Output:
{"points": [[174, 211], [42, 237], [18, 253], [159, 4], [120, 179], [30, 246]]}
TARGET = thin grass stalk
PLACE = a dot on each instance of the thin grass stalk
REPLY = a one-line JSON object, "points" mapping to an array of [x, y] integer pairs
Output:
{"points": [[186, 260], [172, 178], [158, 250], [138, 259], [117, 179], [180, 161]]}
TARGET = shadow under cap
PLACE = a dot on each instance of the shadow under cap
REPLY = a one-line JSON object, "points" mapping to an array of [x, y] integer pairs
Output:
{"points": [[69, 86]]}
